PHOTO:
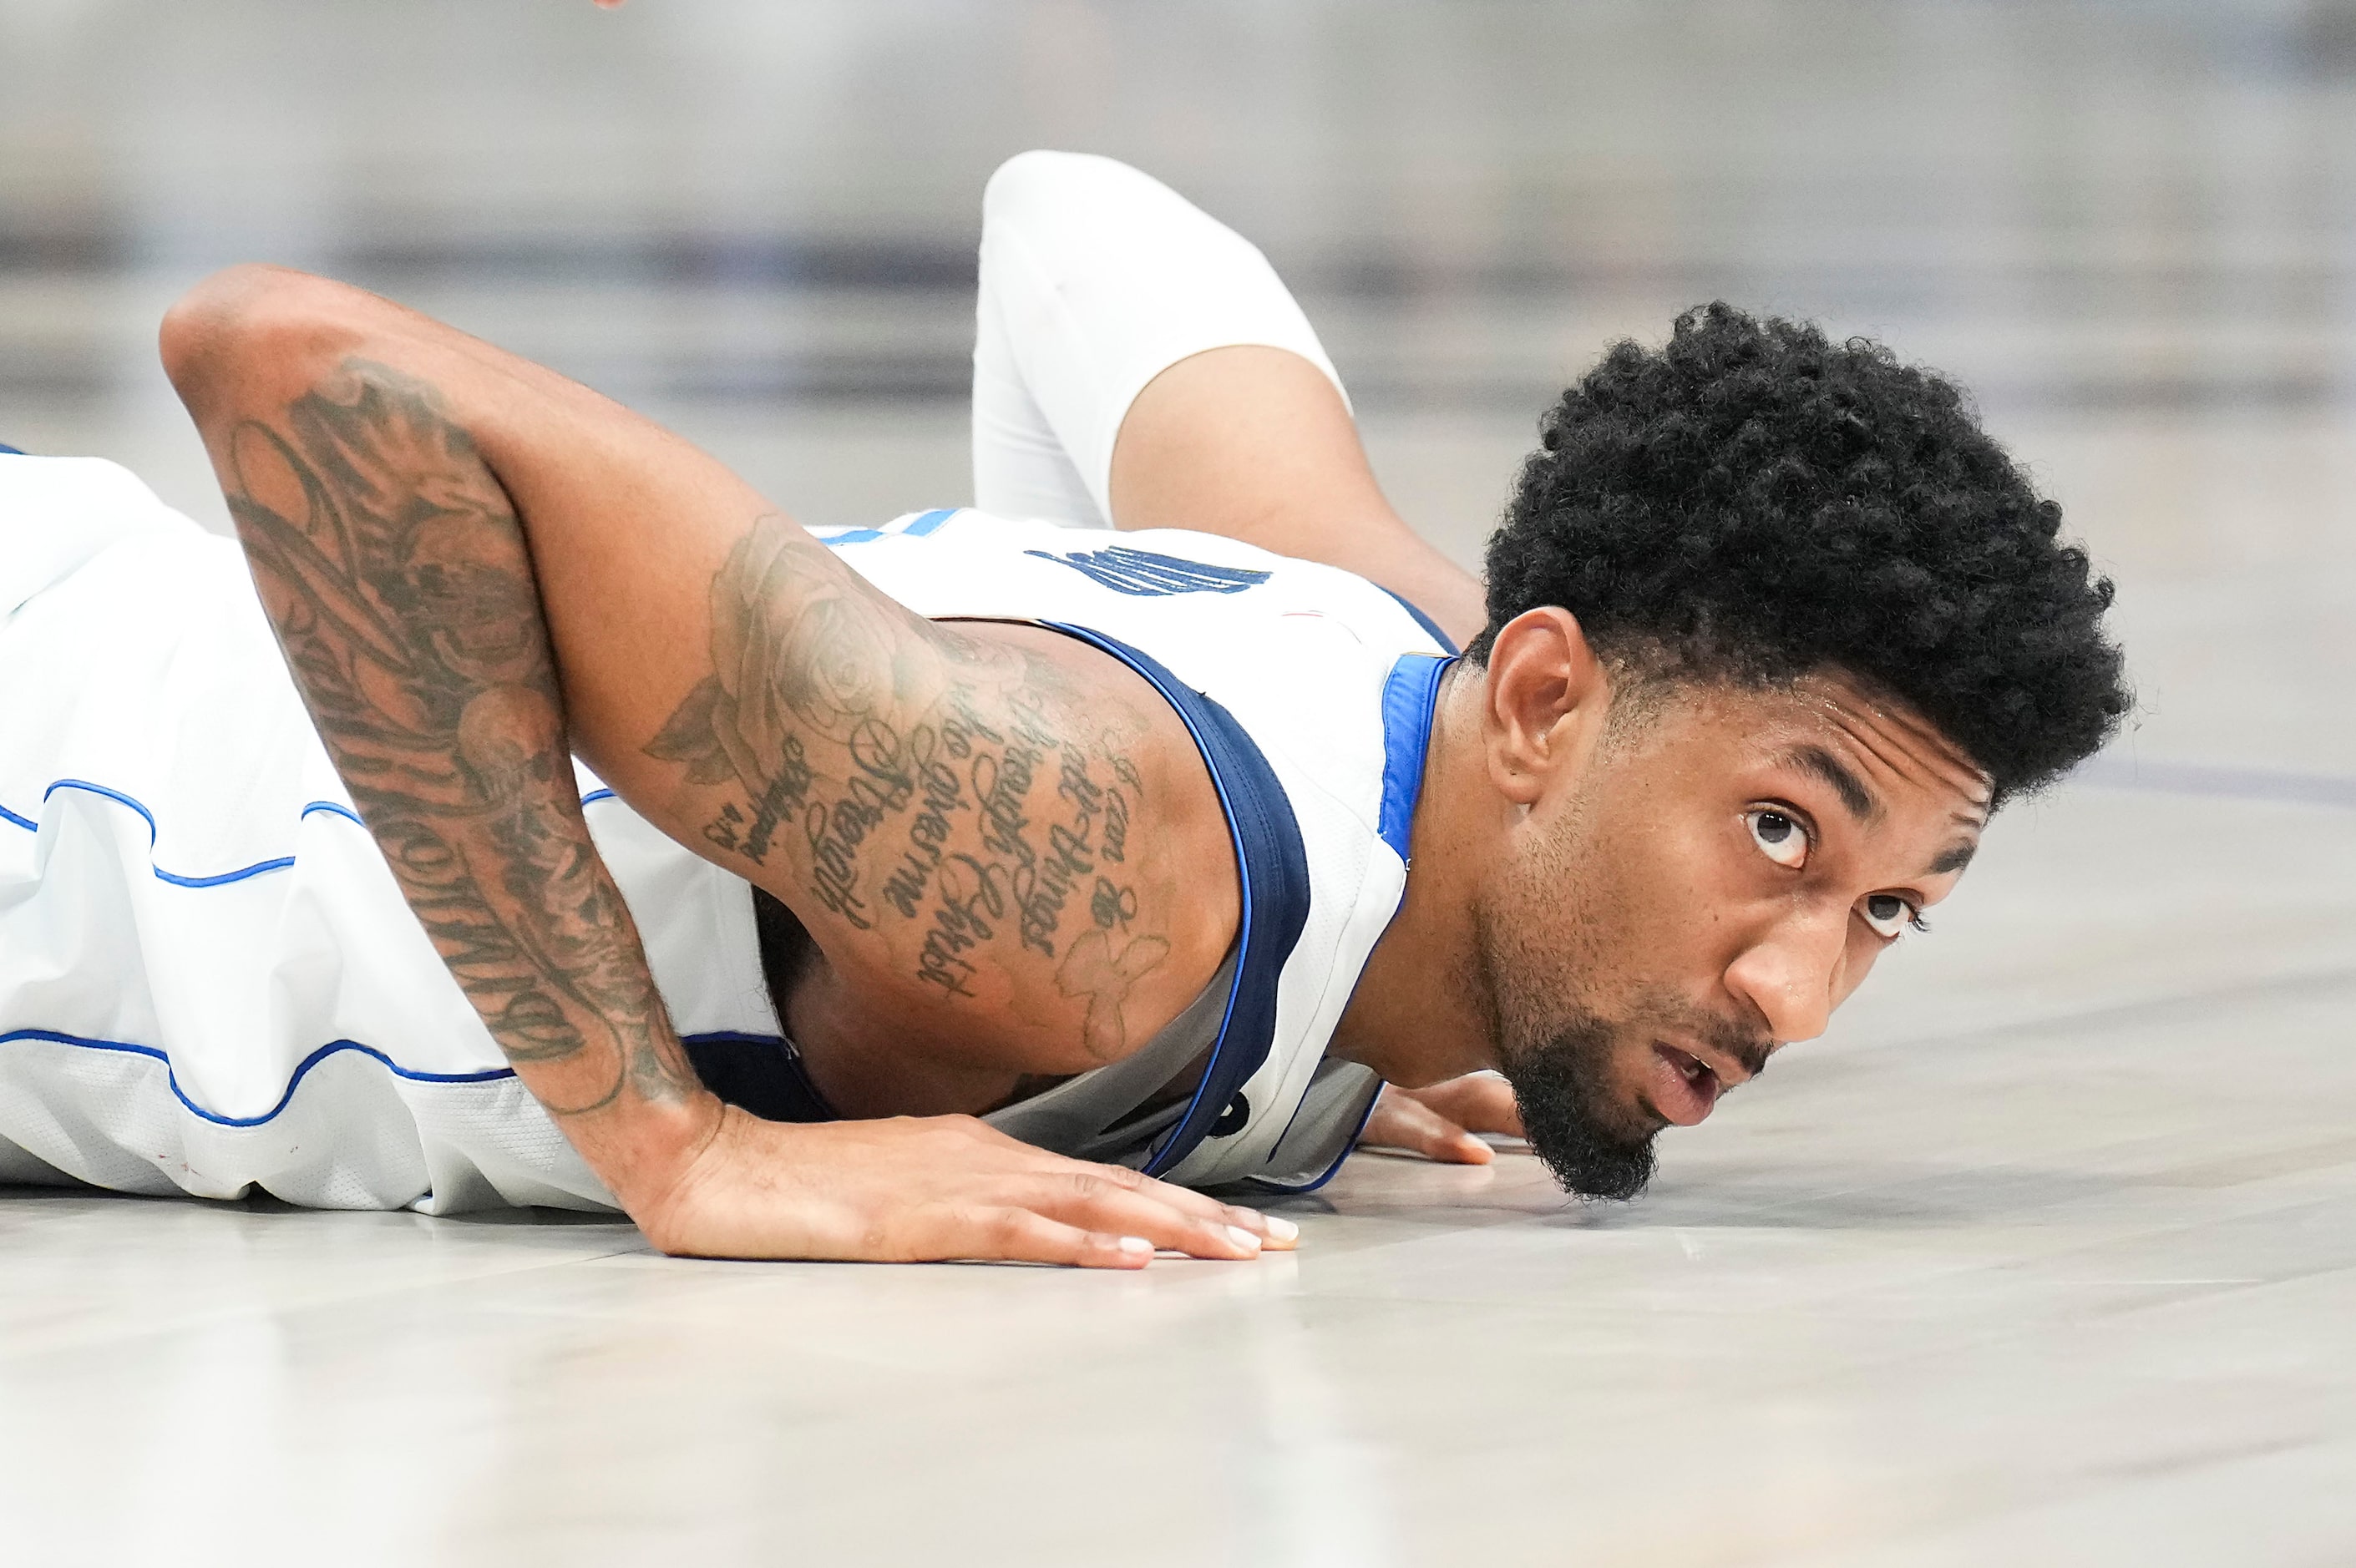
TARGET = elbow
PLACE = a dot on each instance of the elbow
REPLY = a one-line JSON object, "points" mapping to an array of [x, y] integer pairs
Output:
{"points": [[251, 328], [210, 324]]}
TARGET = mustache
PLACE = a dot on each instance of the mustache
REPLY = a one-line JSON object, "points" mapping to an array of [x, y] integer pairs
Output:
{"points": [[1749, 1045]]}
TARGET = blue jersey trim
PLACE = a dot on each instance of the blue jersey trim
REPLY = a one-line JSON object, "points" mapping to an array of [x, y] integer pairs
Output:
{"points": [[303, 1069], [594, 795], [1274, 877], [295, 1082], [12, 451], [1148, 575], [1349, 1148], [1431, 627], [1409, 699], [216, 878], [923, 524], [223, 879]]}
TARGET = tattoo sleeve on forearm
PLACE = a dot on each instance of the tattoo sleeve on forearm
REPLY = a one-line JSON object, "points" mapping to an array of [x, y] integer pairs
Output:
{"points": [[395, 569], [946, 793]]}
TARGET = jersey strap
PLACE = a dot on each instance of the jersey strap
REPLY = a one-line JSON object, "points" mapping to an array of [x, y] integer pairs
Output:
{"points": [[1410, 698], [1273, 869], [1410, 703]]}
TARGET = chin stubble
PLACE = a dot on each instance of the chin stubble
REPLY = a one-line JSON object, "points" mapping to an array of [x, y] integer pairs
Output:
{"points": [[1558, 1081], [1558, 1086]]}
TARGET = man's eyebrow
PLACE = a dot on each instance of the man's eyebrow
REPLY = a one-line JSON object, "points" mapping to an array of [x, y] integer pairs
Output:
{"points": [[1834, 772], [1954, 857]]}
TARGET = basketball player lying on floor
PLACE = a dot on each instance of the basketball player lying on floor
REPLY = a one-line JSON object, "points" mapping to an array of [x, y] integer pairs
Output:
{"points": [[1071, 863]]}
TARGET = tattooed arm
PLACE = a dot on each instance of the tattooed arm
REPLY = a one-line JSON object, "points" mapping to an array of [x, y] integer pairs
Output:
{"points": [[474, 567]]}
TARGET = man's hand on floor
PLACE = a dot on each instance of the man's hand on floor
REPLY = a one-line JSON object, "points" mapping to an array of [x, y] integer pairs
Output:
{"points": [[914, 1189], [1440, 1123]]}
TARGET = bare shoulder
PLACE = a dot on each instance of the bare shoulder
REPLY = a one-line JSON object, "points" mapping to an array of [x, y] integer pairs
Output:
{"points": [[1003, 841]]}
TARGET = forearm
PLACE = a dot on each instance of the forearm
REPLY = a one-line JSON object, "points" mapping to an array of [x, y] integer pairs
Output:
{"points": [[1094, 279], [1256, 443], [453, 547], [393, 563], [1138, 361], [414, 501]]}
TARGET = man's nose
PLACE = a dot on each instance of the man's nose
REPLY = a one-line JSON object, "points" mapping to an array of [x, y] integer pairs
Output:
{"points": [[1792, 974]]}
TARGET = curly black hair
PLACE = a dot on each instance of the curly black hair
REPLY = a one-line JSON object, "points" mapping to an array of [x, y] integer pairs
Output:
{"points": [[1754, 503]]}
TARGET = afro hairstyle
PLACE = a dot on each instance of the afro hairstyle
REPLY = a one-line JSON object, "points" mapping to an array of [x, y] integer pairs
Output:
{"points": [[1751, 503]]}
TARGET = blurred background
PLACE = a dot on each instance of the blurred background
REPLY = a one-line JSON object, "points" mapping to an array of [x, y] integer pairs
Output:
{"points": [[2050, 1236], [2129, 228]]}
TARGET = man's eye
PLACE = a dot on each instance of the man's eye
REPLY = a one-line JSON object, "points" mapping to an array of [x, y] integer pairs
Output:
{"points": [[1888, 914], [1779, 836]]}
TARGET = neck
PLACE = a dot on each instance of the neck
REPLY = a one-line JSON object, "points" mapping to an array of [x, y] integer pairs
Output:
{"points": [[1414, 1016]]}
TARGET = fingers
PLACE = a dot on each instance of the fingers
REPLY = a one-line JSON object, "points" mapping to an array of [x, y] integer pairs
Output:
{"points": [[1087, 1199], [1079, 1221], [1495, 1109], [1403, 1121], [1270, 1231], [1023, 1235], [935, 1188], [1276, 1234], [1045, 1208], [1478, 1101]]}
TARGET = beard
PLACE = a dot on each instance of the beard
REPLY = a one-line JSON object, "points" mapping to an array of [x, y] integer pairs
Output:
{"points": [[1558, 1085], [1557, 1058]]}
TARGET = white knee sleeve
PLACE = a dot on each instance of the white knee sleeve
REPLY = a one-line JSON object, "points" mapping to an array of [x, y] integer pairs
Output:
{"points": [[1096, 279]]}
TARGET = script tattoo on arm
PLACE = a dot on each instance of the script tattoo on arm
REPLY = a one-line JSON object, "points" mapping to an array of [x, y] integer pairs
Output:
{"points": [[396, 572], [949, 794]]}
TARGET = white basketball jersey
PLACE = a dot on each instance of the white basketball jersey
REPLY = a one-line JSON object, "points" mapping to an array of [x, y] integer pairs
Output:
{"points": [[210, 982]]}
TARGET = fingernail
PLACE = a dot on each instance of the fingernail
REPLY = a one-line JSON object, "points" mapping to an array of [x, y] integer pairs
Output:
{"points": [[1243, 1238], [1283, 1229], [1135, 1244]]}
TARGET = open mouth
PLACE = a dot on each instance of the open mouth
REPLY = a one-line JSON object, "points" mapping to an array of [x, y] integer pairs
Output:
{"points": [[1684, 1087]]}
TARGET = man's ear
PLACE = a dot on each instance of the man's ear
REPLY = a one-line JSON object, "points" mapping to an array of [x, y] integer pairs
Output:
{"points": [[1543, 703]]}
